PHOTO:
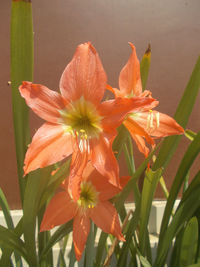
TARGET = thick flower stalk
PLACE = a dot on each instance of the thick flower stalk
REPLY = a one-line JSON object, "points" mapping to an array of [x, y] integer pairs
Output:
{"points": [[78, 123], [146, 123], [93, 204]]}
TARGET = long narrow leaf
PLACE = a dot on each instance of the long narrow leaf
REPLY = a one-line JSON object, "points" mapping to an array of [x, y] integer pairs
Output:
{"points": [[189, 243], [183, 214], [21, 44], [90, 251], [183, 169], [36, 185], [130, 231], [11, 241], [100, 249], [128, 188], [61, 232], [54, 182], [6, 211], [181, 116], [150, 183]]}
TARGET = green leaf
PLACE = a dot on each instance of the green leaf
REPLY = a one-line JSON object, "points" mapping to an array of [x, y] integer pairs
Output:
{"points": [[181, 116], [72, 257], [6, 210], [89, 250], [61, 260], [194, 265], [54, 181], [184, 212], [175, 255], [36, 185], [144, 261], [61, 257], [150, 183], [61, 232], [100, 249], [11, 241], [194, 184], [186, 163], [120, 140], [189, 243], [164, 187], [131, 228], [5, 259], [43, 238], [144, 66], [21, 45], [189, 157], [127, 189], [9, 222]]}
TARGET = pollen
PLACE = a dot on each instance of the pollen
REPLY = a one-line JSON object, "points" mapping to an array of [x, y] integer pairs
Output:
{"points": [[83, 118], [88, 196]]}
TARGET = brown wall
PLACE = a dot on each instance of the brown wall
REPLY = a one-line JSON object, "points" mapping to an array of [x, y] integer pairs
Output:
{"points": [[172, 28]]}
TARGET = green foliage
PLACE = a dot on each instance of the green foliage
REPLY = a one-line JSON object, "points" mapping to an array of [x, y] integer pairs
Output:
{"points": [[21, 45], [38, 188], [189, 243]]}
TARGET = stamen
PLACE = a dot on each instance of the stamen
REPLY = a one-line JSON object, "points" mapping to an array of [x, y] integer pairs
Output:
{"points": [[83, 117], [81, 146], [151, 119], [148, 120], [157, 119], [88, 196]]}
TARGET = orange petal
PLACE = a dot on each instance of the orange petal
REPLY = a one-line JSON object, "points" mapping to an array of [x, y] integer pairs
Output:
{"points": [[115, 91], [84, 76], [114, 111], [134, 128], [106, 190], [140, 142], [105, 217], [60, 210], [129, 78], [103, 159], [162, 124], [124, 180], [50, 144], [44, 102], [81, 228], [78, 163]]}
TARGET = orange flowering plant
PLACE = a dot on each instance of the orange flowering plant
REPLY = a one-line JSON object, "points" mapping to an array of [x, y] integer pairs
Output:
{"points": [[71, 189]]}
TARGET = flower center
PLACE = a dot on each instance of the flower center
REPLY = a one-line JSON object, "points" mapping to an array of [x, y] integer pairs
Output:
{"points": [[88, 196], [81, 117]]}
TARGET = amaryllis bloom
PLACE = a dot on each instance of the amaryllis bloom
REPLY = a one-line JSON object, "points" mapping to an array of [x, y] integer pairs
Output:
{"points": [[77, 121], [144, 123], [93, 204]]}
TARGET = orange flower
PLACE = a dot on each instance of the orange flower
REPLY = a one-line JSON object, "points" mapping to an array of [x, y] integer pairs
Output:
{"points": [[93, 204], [145, 123], [77, 121]]}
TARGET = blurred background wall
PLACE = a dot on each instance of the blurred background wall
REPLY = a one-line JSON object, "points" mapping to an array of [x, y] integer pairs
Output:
{"points": [[171, 27]]}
